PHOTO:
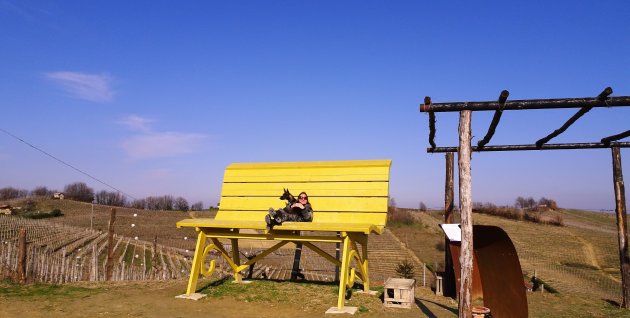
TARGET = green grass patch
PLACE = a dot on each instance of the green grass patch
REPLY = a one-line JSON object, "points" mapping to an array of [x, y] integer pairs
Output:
{"points": [[148, 259], [12, 289], [269, 291], [129, 254], [257, 291], [41, 215]]}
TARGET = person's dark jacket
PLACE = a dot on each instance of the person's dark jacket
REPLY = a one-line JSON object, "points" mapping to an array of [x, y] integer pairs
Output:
{"points": [[305, 215]]}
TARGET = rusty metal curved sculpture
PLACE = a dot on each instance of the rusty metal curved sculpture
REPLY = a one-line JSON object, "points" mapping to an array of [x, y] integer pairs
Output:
{"points": [[497, 275]]}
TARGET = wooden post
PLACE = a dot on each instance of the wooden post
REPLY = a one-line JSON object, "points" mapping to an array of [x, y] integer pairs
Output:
{"points": [[448, 280], [448, 188], [154, 266], [94, 270], [622, 227], [424, 275], [110, 245], [465, 207], [21, 265], [64, 264]]}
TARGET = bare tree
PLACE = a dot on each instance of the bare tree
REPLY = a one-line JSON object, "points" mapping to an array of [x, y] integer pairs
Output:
{"points": [[520, 203], [423, 207], [110, 198], [139, 204], [79, 191], [9, 193], [181, 204], [164, 202], [197, 206], [41, 191], [549, 203], [167, 202], [531, 203], [525, 203]]}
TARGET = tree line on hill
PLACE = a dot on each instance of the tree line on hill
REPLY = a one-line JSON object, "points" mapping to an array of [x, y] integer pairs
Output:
{"points": [[525, 209], [79, 191]]}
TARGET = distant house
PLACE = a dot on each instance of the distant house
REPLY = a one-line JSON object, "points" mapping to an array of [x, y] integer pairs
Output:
{"points": [[6, 209], [58, 195]]}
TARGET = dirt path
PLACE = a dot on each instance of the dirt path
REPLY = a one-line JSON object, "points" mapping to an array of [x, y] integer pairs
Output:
{"points": [[589, 252]]}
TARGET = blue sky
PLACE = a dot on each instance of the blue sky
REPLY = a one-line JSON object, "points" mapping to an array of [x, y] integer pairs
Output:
{"points": [[158, 97]]}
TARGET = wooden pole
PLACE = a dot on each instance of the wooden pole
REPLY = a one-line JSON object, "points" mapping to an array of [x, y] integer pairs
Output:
{"points": [[465, 207], [64, 265], [448, 280], [449, 193], [94, 271], [110, 245], [617, 101], [155, 267], [21, 265], [566, 146], [622, 227]]}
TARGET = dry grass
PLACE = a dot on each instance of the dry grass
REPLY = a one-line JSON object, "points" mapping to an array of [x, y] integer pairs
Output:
{"points": [[541, 216], [579, 259], [397, 216]]}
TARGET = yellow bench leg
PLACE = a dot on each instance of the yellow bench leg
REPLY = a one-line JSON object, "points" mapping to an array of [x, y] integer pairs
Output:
{"points": [[363, 261], [196, 264], [237, 260], [365, 275], [343, 274]]}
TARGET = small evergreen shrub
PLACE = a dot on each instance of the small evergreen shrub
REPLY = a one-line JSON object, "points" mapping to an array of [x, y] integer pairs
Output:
{"points": [[405, 269]]}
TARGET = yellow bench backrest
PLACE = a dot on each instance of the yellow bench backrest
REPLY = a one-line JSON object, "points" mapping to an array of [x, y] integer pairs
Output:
{"points": [[354, 191]]}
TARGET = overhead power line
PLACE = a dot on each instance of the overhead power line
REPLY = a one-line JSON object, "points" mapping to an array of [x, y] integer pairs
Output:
{"points": [[65, 163]]}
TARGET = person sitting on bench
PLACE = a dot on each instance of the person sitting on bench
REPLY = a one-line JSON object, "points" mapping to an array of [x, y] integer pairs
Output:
{"points": [[299, 210]]}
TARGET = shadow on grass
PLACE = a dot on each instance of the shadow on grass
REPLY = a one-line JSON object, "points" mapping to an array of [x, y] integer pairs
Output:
{"points": [[214, 283], [612, 302], [428, 312]]}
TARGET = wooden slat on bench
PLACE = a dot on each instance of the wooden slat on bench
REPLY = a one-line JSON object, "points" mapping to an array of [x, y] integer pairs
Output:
{"points": [[274, 189], [312, 164], [342, 217], [320, 204], [306, 174]]}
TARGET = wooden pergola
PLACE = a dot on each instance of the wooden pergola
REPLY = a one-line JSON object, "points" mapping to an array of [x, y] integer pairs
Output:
{"points": [[465, 150]]}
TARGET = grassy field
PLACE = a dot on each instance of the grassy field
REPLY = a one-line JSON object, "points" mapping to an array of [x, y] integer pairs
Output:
{"points": [[579, 260]]}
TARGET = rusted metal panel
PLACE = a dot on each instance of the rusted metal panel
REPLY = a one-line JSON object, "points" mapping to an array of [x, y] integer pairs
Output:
{"points": [[477, 292], [497, 274], [500, 271]]}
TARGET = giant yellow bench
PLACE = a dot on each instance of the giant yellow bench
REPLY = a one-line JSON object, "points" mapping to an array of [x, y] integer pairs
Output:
{"points": [[348, 197]]}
